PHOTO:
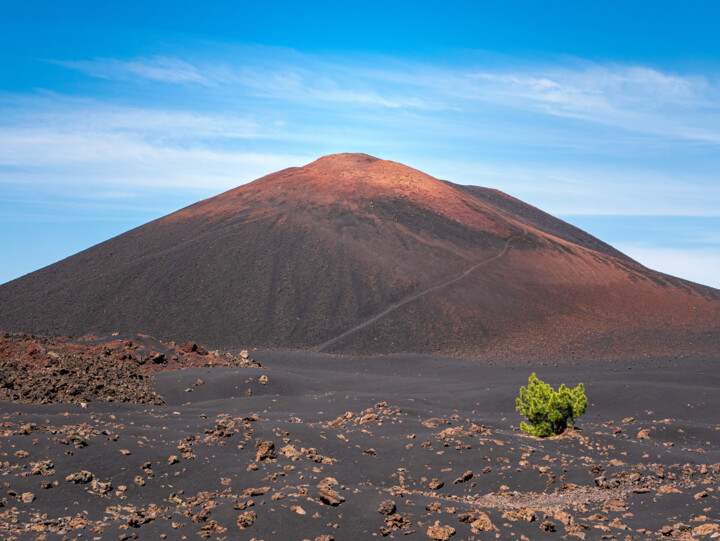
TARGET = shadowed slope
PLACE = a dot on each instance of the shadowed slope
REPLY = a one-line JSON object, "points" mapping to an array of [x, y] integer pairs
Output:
{"points": [[355, 254]]}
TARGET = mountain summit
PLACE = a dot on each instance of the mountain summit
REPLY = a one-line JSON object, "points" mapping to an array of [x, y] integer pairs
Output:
{"points": [[354, 254]]}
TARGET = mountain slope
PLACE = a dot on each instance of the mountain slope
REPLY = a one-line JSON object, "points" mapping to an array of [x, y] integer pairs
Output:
{"points": [[355, 254]]}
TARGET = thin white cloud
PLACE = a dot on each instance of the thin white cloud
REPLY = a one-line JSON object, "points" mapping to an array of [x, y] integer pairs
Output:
{"points": [[61, 113], [158, 68], [287, 100], [51, 141], [280, 81], [43, 157], [695, 264], [592, 190], [634, 98]]}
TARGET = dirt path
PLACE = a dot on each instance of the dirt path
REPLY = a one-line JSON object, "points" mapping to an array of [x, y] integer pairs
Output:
{"points": [[418, 295]]}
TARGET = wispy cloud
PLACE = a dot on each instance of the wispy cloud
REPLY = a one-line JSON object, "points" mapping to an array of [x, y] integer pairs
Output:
{"points": [[51, 140], [105, 158], [590, 190], [697, 265], [311, 81], [543, 132], [157, 68], [634, 98]]}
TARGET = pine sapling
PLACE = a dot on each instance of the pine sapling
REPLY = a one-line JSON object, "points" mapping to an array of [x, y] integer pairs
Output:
{"points": [[549, 412]]}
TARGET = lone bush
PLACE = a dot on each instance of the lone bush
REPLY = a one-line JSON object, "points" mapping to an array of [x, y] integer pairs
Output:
{"points": [[549, 413]]}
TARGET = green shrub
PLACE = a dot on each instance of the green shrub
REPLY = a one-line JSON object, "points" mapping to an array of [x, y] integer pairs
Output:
{"points": [[549, 413]]}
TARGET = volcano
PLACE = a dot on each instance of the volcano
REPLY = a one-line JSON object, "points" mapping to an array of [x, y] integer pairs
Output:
{"points": [[353, 254]]}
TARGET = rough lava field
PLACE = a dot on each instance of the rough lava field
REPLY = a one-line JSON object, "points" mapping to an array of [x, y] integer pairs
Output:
{"points": [[319, 447]]}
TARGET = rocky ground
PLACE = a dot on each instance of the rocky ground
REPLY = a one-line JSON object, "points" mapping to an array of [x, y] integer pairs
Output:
{"points": [[37, 369], [319, 447]]}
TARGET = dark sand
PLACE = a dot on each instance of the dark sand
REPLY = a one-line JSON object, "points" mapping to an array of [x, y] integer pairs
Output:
{"points": [[601, 481]]}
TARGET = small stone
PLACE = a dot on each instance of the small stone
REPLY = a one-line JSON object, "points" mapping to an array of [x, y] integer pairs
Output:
{"points": [[43, 467], [79, 478], [246, 519], [440, 532], [464, 477], [265, 452], [705, 529], [327, 493], [28, 497], [101, 487], [436, 484], [482, 523], [387, 507]]}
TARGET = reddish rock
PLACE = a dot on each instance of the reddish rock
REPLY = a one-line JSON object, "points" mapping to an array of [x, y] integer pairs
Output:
{"points": [[440, 532], [265, 452], [436, 484], [246, 519], [79, 478], [387, 507]]}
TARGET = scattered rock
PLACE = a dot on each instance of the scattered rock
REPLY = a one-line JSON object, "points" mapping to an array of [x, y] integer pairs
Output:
{"points": [[482, 523], [387, 507], [465, 477], [327, 493], [265, 452], [43, 467], [246, 519], [101, 487], [433, 507], [436, 484], [79, 478], [440, 532]]}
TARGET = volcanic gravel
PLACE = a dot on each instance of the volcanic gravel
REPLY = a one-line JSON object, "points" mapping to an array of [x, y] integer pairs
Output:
{"points": [[320, 447]]}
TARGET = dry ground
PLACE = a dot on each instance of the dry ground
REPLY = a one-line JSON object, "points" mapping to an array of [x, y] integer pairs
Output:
{"points": [[322, 447]]}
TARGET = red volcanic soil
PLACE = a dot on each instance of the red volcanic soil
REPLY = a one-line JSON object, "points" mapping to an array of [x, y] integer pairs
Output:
{"points": [[352, 254]]}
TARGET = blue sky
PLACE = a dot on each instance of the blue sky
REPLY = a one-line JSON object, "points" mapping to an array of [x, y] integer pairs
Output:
{"points": [[604, 114]]}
